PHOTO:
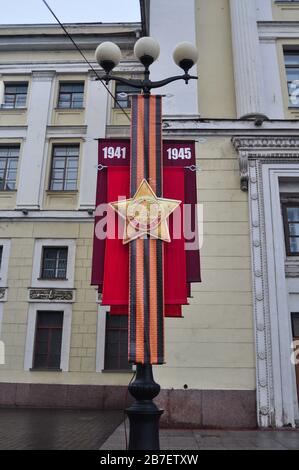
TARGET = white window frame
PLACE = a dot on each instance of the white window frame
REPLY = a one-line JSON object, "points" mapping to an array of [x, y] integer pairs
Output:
{"points": [[284, 379], [37, 263], [66, 333], [5, 260], [101, 337]]}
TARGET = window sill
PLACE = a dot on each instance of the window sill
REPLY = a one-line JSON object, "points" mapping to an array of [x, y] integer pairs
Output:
{"points": [[8, 191], [69, 109], [62, 191], [13, 109], [51, 279], [117, 371], [35, 369]]}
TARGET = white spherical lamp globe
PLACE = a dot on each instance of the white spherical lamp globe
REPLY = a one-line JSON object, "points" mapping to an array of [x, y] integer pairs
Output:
{"points": [[147, 50], [185, 55], [108, 55]]}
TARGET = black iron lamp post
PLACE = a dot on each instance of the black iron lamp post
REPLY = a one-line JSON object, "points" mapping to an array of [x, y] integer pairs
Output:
{"points": [[144, 415]]}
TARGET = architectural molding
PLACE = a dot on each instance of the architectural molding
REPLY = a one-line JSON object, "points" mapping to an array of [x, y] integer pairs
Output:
{"points": [[263, 161], [255, 147], [50, 284], [65, 131], [66, 308], [43, 75], [3, 293], [5, 243], [271, 30], [101, 337], [292, 268], [247, 58], [50, 295]]}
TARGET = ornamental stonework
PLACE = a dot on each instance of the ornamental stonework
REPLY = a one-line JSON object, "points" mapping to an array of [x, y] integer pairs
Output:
{"points": [[50, 294]]}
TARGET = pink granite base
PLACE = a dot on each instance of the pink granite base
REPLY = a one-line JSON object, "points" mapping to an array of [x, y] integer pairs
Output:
{"points": [[182, 408]]}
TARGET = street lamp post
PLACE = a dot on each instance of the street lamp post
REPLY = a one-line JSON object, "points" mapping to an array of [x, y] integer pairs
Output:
{"points": [[144, 415]]}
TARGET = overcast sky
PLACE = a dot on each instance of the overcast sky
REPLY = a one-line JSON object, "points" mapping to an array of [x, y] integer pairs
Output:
{"points": [[34, 11]]}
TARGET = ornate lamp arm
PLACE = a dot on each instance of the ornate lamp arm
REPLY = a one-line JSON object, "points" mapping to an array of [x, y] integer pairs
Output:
{"points": [[146, 85]]}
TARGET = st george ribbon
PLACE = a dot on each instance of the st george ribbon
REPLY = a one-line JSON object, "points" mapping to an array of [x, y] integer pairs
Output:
{"points": [[146, 289]]}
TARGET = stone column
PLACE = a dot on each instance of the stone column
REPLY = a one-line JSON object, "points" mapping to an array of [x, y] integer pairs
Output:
{"points": [[32, 158], [247, 59]]}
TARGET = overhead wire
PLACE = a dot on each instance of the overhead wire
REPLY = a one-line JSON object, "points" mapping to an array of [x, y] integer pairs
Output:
{"points": [[85, 58]]}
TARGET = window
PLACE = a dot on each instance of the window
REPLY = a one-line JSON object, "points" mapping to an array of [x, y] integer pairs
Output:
{"points": [[122, 93], [8, 167], [1, 253], [15, 95], [71, 95], [64, 169], [291, 227], [295, 325], [116, 346], [48, 339], [54, 263], [292, 71]]}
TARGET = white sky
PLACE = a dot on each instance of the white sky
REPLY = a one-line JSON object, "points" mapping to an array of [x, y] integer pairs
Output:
{"points": [[68, 11]]}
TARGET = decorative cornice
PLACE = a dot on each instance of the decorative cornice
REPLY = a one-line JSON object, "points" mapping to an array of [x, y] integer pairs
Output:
{"points": [[265, 143], [254, 147], [43, 75], [51, 295]]}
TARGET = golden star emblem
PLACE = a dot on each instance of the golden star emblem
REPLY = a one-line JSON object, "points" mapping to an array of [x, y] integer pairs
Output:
{"points": [[145, 214]]}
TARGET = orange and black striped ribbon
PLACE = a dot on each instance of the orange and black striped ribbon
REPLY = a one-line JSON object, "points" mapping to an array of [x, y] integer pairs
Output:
{"points": [[146, 299]]}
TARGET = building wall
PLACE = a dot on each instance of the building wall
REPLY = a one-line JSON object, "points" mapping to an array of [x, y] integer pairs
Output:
{"points": [[84, 310], [212, 346], [216, 93]]}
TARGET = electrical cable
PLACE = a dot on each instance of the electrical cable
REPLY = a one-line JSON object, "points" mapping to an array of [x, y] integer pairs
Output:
{"points": [[84, 57]]}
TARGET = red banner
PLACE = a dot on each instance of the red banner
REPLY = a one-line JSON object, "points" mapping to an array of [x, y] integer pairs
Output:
{"points": [[180, 267]]}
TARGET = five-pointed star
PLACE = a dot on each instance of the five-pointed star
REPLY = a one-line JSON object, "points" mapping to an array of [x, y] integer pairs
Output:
{"points": [[145, 214]]}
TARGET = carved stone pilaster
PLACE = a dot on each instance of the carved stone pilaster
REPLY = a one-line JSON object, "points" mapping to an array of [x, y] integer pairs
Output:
{"points": [[2, 293]]}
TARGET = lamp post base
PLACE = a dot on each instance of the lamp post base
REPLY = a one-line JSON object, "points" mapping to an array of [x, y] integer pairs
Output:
{"points": [[144, 415]]}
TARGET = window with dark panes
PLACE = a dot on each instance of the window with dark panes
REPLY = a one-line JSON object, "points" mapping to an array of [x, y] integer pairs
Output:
{"points": [[292, 70], [122, 94], [15, 95], [9, 157], [1, 254], [116, 347], [295, 325], [71, 95], [54, 263], [48, 339], [64, 171], [291, 227]]}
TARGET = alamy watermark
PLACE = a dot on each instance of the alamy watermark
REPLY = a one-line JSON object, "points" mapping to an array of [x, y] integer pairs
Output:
{"points": [[187, 223]]}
